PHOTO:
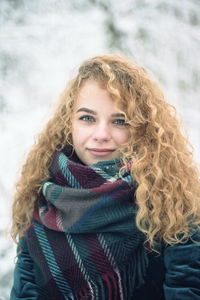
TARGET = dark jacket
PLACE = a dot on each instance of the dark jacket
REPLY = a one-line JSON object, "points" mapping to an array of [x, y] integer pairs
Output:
{"points": [[173, 275]]}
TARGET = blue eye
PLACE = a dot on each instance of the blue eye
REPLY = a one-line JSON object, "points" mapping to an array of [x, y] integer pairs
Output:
{"points": [[120, 122], [87, 118]]}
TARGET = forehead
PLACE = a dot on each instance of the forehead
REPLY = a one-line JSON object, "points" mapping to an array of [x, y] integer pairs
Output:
{"points": [[91, 87], [94, 94]]}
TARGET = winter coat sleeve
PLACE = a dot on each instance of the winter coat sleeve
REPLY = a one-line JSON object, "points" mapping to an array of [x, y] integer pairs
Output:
{"points": [[24, 286], [182, 263]]}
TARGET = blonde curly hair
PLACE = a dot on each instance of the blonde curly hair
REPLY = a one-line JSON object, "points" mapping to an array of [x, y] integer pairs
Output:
{"points": [[168, 189]]}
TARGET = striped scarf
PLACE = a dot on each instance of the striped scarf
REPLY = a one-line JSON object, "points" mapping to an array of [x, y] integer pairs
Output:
{"points": [[84, 239]]}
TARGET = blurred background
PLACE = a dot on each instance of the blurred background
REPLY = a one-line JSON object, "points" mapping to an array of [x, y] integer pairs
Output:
{"points": [[41, 44]]}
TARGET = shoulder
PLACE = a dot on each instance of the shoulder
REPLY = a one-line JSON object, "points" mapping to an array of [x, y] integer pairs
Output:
{"points": [[182, 264], [183, 251]]}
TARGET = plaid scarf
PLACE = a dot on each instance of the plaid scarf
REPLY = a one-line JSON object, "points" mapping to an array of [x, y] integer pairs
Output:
{"points": [[85, 229]]}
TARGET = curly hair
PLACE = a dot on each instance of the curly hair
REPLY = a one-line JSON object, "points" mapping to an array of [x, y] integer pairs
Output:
{"points": [[168, 189]]}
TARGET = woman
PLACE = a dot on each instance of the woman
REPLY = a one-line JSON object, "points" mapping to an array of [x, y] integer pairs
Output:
{"points": [[107, 206]]}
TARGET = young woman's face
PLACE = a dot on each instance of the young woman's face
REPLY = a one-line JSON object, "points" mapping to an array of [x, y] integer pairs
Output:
{"points": [[98, 128]]}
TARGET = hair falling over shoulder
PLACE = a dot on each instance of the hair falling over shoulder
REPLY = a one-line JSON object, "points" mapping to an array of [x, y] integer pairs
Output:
{"points": [[168, 191]]}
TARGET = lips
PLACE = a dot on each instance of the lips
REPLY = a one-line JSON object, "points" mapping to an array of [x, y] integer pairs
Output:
{"points": [[100, 152]]}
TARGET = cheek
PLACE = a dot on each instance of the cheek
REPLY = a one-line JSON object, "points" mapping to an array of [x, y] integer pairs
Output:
{"points": [[76, 136], [80, 135], [123, 137]]}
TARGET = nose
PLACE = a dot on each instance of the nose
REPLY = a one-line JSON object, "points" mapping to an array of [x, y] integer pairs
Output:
{"points": [[102, 132]]}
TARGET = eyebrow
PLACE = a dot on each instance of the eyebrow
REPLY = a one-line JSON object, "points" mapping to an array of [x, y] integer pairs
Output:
{"points": [[84, 109], [90, 111]]}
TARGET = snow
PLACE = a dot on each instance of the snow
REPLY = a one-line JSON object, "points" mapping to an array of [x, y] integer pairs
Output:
{"points": [[42, 42]]}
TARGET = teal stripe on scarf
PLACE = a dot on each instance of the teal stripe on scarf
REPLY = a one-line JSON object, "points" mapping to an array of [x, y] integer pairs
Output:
{"points": [[49, 190], [62, 161], [79, 259], [80, 243], [51, 261]]}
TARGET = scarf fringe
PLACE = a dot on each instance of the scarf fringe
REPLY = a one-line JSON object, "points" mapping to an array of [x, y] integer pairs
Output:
{"points": [[118, 284]]}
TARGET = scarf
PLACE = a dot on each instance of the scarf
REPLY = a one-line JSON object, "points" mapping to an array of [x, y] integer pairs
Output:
{"points": [[84, 225]]}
